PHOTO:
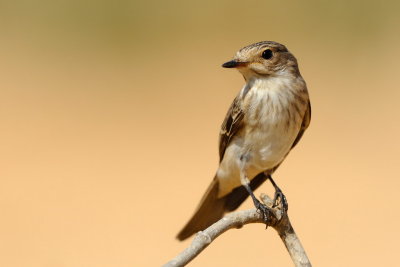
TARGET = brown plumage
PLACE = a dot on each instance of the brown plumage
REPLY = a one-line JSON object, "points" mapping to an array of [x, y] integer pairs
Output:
{"points": [[265, 121]]}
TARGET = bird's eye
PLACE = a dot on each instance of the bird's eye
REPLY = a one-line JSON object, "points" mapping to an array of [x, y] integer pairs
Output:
{"points": [[267, 54]]}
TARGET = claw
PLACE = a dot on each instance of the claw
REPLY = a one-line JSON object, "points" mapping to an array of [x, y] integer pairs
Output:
{"points": [[279, 195], [261, 208]]}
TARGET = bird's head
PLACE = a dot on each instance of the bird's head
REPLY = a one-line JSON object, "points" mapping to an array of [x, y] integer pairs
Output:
{"points": [[264, 59]]}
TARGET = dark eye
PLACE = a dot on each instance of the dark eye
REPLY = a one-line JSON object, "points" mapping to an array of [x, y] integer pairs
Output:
{"points": [[267, 54]]}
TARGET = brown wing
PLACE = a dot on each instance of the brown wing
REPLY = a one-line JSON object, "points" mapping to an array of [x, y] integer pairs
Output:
{"points": [[232, 123], [304, 125]]}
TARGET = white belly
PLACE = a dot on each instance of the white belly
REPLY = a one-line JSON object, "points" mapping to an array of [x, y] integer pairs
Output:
{"points": [[265, 140], [268, 147]]}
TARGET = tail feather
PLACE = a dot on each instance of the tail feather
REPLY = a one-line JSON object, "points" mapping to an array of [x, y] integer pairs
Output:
{"points": [[210, 210]]}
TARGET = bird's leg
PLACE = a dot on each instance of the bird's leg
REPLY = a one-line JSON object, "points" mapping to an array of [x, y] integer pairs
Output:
{"points": [[278, 195], [246, 184]]}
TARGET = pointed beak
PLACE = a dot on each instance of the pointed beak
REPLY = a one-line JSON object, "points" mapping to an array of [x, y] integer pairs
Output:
{"points": [[234, 64]]}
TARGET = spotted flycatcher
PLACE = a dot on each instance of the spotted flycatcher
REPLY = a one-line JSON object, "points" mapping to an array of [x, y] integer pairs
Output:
{"points": [[265, 121]]}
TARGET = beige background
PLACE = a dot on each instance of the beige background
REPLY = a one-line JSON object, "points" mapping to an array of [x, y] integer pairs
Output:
{"points": [[109, 117]]}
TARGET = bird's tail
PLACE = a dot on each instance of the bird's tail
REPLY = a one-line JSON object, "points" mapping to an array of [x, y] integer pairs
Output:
{"points": [[210, 210]]}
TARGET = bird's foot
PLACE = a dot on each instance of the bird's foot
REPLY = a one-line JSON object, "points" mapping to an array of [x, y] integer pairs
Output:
{"points": [[280, 197], [263, 210]]}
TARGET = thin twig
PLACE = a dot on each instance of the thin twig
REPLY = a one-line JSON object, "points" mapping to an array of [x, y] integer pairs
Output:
{"points": [[276, 220]]}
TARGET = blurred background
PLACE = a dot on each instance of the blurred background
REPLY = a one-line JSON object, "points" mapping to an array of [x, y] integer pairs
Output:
{"points": [[109, 120]]}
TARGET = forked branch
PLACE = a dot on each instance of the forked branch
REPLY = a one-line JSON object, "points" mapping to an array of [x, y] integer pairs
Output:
{"points": [[277, 220]]}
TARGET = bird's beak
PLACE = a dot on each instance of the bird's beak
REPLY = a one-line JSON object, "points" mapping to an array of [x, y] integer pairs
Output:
{"points": [[234, 64]]}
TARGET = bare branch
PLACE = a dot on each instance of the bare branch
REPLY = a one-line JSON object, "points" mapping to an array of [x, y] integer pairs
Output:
{"points": [[236, 220]]}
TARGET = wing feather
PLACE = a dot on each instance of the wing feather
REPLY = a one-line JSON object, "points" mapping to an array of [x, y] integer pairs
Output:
{"points": [[230, 126], [304, 125]]}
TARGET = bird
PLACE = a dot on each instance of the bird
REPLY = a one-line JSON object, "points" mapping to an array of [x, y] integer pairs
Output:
{"points": [[265, 121]]}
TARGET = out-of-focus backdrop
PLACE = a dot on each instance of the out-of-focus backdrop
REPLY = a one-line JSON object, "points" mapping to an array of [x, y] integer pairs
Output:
{"points": [[110, 112]]}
